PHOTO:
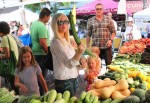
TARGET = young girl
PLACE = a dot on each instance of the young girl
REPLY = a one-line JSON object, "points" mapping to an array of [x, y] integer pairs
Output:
{"points": [[92, 71], [27, 74], [96, 50]]}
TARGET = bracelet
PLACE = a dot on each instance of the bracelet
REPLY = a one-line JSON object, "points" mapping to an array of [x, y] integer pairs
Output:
{"points": [[111, 40]]}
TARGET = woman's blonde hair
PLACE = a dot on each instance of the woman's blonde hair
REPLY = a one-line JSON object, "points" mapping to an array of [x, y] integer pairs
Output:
{"points": [[54, 26], [22, 51]]}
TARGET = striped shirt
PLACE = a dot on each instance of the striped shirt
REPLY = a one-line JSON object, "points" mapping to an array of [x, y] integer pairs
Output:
{"points": [[100, 31], [63, 63]]}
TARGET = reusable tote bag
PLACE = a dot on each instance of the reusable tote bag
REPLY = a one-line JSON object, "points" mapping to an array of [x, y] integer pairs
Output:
{"points": [[7, 66]]}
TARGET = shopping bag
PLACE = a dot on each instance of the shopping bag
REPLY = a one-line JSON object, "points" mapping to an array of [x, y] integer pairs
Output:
{"points": [[47, 61], [7, 66]]}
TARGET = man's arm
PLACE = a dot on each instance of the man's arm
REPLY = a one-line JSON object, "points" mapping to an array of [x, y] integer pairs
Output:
{"points": [[113, 36], [43, 44]]}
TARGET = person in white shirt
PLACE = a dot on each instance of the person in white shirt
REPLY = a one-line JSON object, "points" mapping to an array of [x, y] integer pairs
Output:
{"points": [[131, 32], [109, 14], [65, 59]]}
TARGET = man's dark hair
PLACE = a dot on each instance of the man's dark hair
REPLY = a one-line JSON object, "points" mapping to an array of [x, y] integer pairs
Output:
{"points": [[44, 12], [4, 27]]}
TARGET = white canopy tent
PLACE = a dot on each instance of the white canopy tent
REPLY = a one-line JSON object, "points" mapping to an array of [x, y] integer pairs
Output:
{"points": [[17, 15], [144, 14], [12, 3], [141, 19]]}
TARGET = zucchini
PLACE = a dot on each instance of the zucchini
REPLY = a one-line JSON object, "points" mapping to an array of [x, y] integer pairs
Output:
{"points": [[92, 98], [58, 96], [117, 100], [87, 97], [82, 96], [60, 101], [74, 33], [107, 100], [73, 99], [95, 99], [52, 96], [66, 96]]}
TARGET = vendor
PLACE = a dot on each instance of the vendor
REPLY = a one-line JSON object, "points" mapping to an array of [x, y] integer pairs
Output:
{"points": [[131, 32]]}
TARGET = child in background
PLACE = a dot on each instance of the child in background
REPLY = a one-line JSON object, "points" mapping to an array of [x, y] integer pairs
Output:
{"points": [[27, 74], [96, 50], [92, 70]]}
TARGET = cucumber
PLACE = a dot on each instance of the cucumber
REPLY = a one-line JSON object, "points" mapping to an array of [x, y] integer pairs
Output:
{"points": [[59, 101], [73, 99], [82, 96], [75, 35], [66, 96], [107, 100], [58, 96], [52, 96], [92, 98], [95, 99], [117, 100], [41, 98], [87, 97], [79, 101]]}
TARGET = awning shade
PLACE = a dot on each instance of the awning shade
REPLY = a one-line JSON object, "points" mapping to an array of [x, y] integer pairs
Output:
{"points": [[108, 5]]}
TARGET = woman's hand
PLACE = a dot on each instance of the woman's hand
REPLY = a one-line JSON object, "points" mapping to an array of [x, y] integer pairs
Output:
{"points": [[80, 51], [81, 48], [23, 88]]}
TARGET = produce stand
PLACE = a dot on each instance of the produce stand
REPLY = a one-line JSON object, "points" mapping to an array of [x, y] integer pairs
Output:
{"points": [[127, 81]]}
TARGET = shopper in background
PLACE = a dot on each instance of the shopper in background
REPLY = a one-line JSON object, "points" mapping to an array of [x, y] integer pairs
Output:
{"points": [[148, 30], [5, 35], [65, 59], [102, 31], [27, 72], [40, 38], [131, 32], [22, 30], [109, 14]]}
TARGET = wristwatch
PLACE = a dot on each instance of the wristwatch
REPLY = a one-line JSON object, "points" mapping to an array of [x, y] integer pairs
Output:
{"points": [[111, 40]]}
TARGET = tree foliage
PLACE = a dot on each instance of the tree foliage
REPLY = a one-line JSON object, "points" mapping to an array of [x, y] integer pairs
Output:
{"points": [[54, 7], [35, 7]]}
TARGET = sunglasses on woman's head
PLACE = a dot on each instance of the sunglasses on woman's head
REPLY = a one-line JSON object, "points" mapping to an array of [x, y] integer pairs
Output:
{"points": [[59, 22]]}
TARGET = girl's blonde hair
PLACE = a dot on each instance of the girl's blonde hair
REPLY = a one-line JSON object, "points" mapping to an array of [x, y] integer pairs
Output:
{"points": [[96, 58], [22, 51], [54, 26]]}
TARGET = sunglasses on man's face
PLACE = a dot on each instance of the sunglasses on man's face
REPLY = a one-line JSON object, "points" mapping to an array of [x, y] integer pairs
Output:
{"points": [[99, 9], [59, 22]]}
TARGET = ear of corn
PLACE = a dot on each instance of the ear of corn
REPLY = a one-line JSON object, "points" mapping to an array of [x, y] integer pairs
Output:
{"points": [[74, 33]]}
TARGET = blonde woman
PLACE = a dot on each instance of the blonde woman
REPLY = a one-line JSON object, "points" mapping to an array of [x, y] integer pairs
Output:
{"points": [[65, 59]]}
